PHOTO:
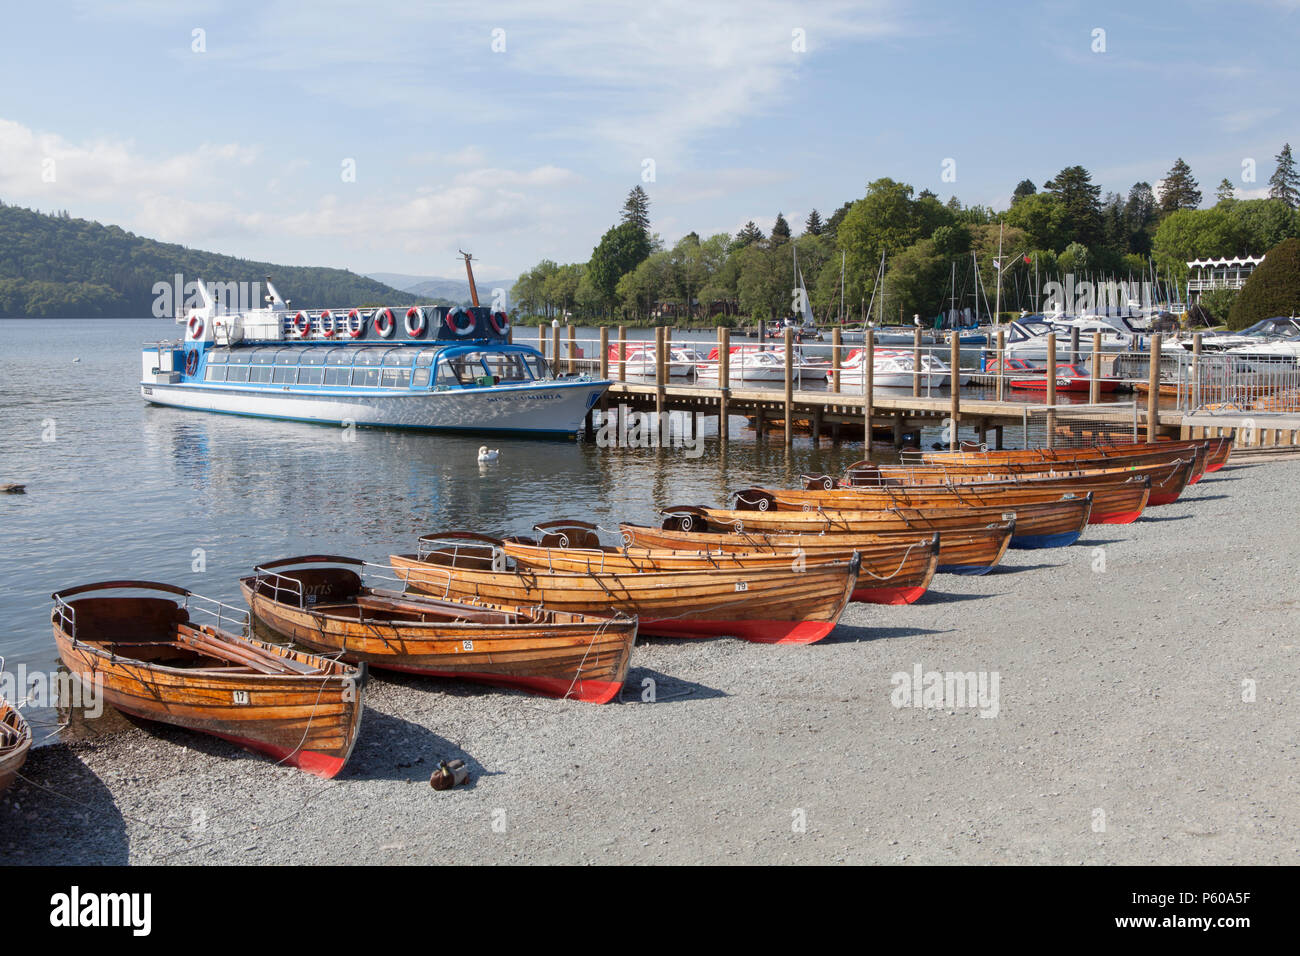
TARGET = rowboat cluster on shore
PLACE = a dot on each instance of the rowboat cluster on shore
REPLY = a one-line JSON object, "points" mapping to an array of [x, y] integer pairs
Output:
{"points": [[559, 612]]}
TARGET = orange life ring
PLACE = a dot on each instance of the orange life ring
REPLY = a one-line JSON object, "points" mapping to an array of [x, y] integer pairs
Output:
{"points": [[327, 330], [500, 322], [195, 326], [384, 323], [416, 330], [302, 324], [458, 330], [355, 324]]}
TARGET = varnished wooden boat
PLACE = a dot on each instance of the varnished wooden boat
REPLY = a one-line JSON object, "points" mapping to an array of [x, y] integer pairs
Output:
{"points": [[155, 662], [1198, 456], [1168, 480], [1217, 452], [894, 573], [15, 741], [1054, 524], [787, 605], [963, 551], [1112, 503], [321, 601]]}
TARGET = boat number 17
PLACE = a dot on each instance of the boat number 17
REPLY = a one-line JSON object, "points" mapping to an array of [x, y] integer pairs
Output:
{"points": [[742, 585], [240, 696]]}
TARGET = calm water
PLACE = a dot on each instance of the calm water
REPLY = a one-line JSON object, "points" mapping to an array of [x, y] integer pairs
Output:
{"points": [[119, 489]]}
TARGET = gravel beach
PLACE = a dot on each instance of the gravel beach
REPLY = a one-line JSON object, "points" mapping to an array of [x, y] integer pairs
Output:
{"points": [[1146, 712]]}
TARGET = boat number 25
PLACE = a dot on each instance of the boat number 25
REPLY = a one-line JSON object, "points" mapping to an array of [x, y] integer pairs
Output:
{"points": [[467, 645], [240, 696], [742, 585]]}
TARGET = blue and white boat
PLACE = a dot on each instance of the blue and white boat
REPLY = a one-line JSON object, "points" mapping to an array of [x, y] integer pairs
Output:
{"points": [[425, 367]]}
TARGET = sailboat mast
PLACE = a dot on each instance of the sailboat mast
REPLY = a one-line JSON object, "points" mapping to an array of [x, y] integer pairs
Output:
{"points": [[469, 272]]}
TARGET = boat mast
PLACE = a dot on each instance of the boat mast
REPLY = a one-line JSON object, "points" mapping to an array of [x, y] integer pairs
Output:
{"points": [[842, 256], [469, 271], [997, 312]]}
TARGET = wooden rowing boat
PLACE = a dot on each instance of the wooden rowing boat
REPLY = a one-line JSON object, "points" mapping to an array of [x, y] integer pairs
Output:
{"points": [[148, 658], [969, 551], [1114, 503], [893, 573], [1217, 452], [1054, 524], [785, 605], [321, 601], [866, 472], [1168, 481], [15, 741]]}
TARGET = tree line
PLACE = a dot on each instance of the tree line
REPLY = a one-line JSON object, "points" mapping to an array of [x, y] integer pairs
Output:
{"points": [[937, 254]]}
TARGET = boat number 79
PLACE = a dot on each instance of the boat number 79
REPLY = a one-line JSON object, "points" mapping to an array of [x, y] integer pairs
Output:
{"points": [[240, 696], [742, 586]]}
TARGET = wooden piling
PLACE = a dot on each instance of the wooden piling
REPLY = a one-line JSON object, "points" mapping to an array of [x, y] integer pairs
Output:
{"points": [[1051, 389], [916, 361], [1094, 383], [541, 340], [573, 348], [1196, 370], [868, 386], [954, 384], [604, 351], [788, 336], [1153, 395], [555, 346], [622, 353], [1001, 381], [724, 381], [659, 373], [836, 356], [1074, 345]]}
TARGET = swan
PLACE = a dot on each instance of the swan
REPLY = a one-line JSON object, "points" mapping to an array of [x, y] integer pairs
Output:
{"points": [[485, 455]]}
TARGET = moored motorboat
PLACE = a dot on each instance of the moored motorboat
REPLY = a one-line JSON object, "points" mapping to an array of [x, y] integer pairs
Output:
{"points": [[894, 573], [787, 605], [151, 660], [15, 742], [322, 602]]}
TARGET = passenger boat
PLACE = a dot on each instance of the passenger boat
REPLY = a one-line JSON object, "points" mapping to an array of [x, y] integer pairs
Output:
{"points": [[785, 605], [423, 367], [750, 363], [1112, 503], [971, 550], [155, 662], [15, 741], [894, 573], [1050, 525], [896, 368], [321, 601]]}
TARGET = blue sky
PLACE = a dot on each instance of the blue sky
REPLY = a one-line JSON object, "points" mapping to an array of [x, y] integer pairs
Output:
{"points": [[527, 153]]}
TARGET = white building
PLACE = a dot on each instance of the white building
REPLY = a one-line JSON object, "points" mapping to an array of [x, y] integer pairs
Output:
{"points": [[1207, 274]]}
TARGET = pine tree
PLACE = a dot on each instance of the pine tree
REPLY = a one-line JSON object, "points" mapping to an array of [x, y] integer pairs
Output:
{"points": [[1179, 190], [1226, 191], [637, 209], [780, 229], [749, 234], [1024, 188], [813, 225], [1284, 184], [1080, 202]]}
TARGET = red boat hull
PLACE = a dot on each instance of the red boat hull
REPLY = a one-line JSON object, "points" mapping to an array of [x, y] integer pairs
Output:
{"points": [[591, 691], [760, 632], [888, 595]]}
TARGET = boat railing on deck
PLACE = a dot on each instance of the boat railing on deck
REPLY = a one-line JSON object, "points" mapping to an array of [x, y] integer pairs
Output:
{"points": [[65, 615]]}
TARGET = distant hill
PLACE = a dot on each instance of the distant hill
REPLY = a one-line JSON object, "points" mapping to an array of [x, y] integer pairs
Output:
{"points": [[54, 266], [456, 290]]}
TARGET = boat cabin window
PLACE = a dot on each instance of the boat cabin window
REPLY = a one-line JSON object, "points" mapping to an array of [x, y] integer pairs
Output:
{"points": [[395, 378], [237, 373], [288, 356], [507, 366], [369, 357], [537, 365], [263, 357], [218, 357], [239, 358], [446, 375], [337, 376], [311, 357], [314, 375], [260, 374], [338, 357], [420, 379], [283, 375], [366, 377], [400, 358], [215, 373], [426, 358]]}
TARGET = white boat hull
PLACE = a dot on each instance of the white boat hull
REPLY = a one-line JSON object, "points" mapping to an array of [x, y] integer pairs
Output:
{"points": [[554, 409]]}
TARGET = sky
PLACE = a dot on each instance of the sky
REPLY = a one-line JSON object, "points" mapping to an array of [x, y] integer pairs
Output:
{"points": [[385, 136]]}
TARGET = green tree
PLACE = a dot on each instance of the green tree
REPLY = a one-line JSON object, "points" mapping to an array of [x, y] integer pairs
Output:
{"points": [[1284, 184], [1023, 188], [813, 225], [636, 209], [1189, 234], [1042, 217], [1080, 204], [1178, 190], [621, 250], [780, 229], [749, 233], [1226, 192], [1272, 289]]}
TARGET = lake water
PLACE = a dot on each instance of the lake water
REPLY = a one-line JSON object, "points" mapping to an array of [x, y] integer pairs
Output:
{"points": [[120, 489]]}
